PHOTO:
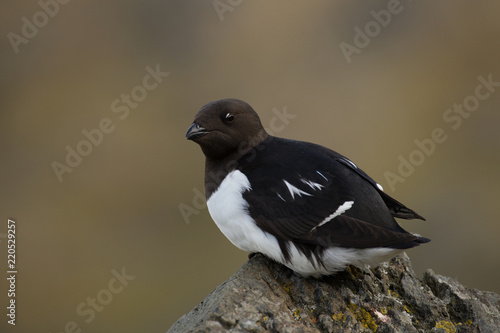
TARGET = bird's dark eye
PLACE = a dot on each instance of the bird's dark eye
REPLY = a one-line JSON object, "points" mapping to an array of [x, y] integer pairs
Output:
{"points": [[229, 118]]}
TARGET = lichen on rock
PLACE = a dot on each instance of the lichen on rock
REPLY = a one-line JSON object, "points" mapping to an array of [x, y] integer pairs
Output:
{"points": [[264, 296]]}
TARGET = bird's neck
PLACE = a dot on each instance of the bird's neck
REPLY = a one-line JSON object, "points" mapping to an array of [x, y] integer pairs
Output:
{"points": [[215, 172], [216, 169]]}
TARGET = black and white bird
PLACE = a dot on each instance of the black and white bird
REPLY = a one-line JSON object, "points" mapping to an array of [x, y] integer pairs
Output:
{"points": [[299, 203]]}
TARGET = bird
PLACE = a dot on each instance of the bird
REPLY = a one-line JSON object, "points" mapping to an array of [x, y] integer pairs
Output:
{"points": [[299, 203]]}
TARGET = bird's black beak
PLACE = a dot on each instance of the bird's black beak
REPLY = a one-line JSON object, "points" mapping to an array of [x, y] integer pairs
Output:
{"points": [[195, 131]]}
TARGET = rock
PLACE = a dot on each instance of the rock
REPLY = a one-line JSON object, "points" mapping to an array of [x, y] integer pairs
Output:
{"points": [[264, 296]]}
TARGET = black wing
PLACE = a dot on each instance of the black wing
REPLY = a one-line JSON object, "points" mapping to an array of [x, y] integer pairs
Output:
{"points": [[396, 208], [313, 196]]}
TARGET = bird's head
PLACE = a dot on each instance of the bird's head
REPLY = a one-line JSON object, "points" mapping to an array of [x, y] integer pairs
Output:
{"points": [[226, 126]]}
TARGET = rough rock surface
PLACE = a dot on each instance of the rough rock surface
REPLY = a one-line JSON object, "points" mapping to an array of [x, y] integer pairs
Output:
{"points": [[264, 296]]}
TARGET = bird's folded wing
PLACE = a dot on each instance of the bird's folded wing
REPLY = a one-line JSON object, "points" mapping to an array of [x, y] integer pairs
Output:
{"points": [[396, 208], [294, 205], [313, 208]]}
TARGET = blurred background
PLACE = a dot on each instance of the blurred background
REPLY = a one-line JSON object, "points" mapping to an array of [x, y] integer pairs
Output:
{"points": [[129, 204]]}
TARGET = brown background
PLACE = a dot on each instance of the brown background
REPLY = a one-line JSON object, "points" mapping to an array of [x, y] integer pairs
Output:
{"points": [[119, 208]]}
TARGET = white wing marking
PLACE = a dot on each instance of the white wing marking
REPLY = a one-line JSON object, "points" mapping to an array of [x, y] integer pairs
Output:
{"points": [[293, 190], [341, 210]]}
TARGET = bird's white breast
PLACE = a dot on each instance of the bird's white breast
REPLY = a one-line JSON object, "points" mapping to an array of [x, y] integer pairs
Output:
{"points": [[229, 211]]}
